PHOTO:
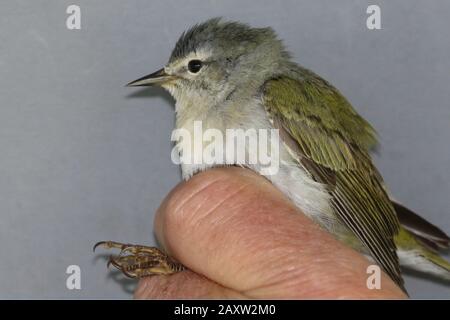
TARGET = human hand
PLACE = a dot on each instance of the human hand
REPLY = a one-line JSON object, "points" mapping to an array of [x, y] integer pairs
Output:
{"points": [[242, 238]]}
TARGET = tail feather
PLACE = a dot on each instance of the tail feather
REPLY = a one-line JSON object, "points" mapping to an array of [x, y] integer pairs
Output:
{"points": [[419, 242], [428, 234], [425, 261], [442, 264]]}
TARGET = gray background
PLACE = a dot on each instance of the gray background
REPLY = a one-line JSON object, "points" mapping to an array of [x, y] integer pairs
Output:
{"points": [[84, 159]]}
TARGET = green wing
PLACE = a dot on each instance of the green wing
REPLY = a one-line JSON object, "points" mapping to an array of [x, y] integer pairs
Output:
{"points": [[333, 142]]}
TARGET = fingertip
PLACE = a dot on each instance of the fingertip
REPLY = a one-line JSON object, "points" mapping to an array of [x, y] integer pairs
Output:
{"points": [[228, 219], [182, 205]]}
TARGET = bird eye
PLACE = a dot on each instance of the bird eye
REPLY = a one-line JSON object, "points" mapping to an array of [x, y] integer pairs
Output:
{"points": [[194, 66]]}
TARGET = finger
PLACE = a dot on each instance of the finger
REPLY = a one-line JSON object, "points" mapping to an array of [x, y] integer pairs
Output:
{"points": [[183, 285], [237, 229]]}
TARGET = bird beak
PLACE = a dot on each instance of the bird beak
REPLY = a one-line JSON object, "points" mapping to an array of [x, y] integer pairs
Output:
{"points": [[156, 78]]}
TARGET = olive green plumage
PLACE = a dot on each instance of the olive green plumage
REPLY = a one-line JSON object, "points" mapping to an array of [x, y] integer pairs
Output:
{"points": [[330, 133]]}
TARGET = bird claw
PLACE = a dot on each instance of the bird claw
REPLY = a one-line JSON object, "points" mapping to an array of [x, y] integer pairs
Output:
{"points": [[136, 261]]}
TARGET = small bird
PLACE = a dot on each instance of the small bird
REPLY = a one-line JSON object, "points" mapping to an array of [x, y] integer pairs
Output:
{"points": [[229, 75]]}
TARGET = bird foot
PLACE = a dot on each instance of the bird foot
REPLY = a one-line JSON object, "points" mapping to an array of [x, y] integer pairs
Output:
{"points": [[136, 261]]}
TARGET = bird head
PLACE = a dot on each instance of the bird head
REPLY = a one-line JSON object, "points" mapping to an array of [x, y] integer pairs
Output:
{"points": [[215, 60]]}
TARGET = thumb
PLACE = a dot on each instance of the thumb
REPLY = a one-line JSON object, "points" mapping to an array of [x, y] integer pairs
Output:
{"points": [[235, 228]]}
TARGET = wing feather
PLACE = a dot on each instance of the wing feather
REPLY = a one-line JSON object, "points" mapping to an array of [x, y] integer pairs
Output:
{"points": [[332, 143]]}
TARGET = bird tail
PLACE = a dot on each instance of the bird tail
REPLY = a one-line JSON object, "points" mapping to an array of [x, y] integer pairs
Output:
{"points": [[442, 266], [419, 243], [426, 261]]}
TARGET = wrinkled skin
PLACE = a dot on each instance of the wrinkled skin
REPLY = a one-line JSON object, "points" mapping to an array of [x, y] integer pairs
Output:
{"points": [[240, 237]]}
